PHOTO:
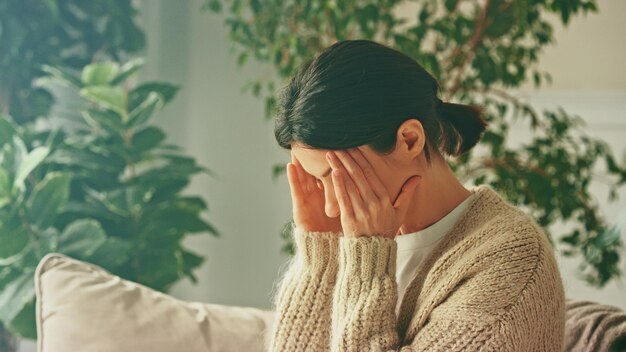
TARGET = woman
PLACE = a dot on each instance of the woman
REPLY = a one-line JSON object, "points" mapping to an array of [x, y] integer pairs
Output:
{"points": [[393, 253]]}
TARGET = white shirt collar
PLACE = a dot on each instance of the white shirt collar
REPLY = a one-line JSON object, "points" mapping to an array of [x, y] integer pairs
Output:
{"points": [[434, 232]]}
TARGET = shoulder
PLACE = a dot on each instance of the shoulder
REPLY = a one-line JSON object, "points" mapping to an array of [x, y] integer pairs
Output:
{"points": [[508, 233], [500, 273], [502, 261], [519, 269]]}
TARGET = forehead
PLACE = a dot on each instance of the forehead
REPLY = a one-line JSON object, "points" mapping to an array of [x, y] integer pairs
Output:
{"points": [[314, 160]]}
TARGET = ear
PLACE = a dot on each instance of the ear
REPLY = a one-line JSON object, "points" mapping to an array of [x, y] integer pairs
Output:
{"points": [[411, 138]]}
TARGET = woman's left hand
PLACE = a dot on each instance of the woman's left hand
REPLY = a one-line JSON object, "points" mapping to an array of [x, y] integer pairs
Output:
{"points": [[366, 208]]}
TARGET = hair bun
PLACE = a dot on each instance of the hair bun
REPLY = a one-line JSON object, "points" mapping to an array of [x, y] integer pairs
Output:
{"points": [[463, 126], [438, 102]]}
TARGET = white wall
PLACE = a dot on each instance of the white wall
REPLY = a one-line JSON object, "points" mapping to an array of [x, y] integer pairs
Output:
{"points": [[226, 132]]}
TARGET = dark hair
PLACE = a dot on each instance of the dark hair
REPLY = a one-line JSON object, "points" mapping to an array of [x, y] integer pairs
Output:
{"points": [[359, 92]]}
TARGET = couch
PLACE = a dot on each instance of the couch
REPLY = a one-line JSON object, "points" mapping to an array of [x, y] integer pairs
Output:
{"points": [[82, 307]]}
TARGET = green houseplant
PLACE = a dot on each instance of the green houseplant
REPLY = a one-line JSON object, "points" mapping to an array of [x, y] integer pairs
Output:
{"points": [[477, 50], [107, 190], [61, 33], [67, 33]]}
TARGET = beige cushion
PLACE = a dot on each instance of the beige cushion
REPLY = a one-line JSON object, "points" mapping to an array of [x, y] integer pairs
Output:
{"points": [[82, 307]]}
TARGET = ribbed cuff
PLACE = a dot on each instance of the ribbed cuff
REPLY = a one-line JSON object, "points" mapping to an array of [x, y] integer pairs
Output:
{"points": [[317, 250], [368, 256]]}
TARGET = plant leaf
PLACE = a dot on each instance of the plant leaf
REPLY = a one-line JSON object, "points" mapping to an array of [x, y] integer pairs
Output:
{"points": [[60, 75], [99, 73], [24, 324], [112, 98], [81, 238], [7, 129], [48, 199], [167, 91], [5, 187], [104, 119], [191, 261], [147, 138], [128, 69], [102, 255], [13, 240], [29, 163], [142, 113], [16, 295]]}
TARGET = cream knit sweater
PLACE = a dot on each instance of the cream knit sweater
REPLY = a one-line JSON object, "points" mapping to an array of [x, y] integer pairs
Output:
{"points": [[491, 284]]}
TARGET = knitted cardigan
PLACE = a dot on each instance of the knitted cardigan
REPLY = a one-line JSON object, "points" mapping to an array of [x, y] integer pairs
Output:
{"points": [[491, 284]]}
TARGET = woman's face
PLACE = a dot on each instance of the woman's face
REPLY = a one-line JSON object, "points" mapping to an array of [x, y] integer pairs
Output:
{"points": [[393, 170]]}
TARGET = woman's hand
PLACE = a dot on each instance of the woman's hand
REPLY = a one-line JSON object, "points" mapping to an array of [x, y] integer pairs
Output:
{"points": [[366, 208], [308, 201]]}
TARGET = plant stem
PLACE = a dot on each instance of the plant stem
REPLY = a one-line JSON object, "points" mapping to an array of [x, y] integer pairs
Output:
{"points": [[481, 24]]}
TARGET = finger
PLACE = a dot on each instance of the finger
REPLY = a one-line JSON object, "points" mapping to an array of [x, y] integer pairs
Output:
{"points": [[347, 215], [297, 165], [307, 181], [357, 176], [370, 174], [404, 199], [294, 184], [357, 203], [352, 193]]}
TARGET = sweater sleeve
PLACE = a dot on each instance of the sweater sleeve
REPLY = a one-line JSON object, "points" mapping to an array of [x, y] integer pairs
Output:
{"points": [[304, 297], [365, 297], [339, 288]]}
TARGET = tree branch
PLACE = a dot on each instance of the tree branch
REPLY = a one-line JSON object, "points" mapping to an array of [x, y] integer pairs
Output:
{"points": [[481, 24]]}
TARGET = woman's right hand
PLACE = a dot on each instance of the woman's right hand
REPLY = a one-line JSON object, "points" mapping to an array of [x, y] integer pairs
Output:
{"points": [[308, 201]]}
